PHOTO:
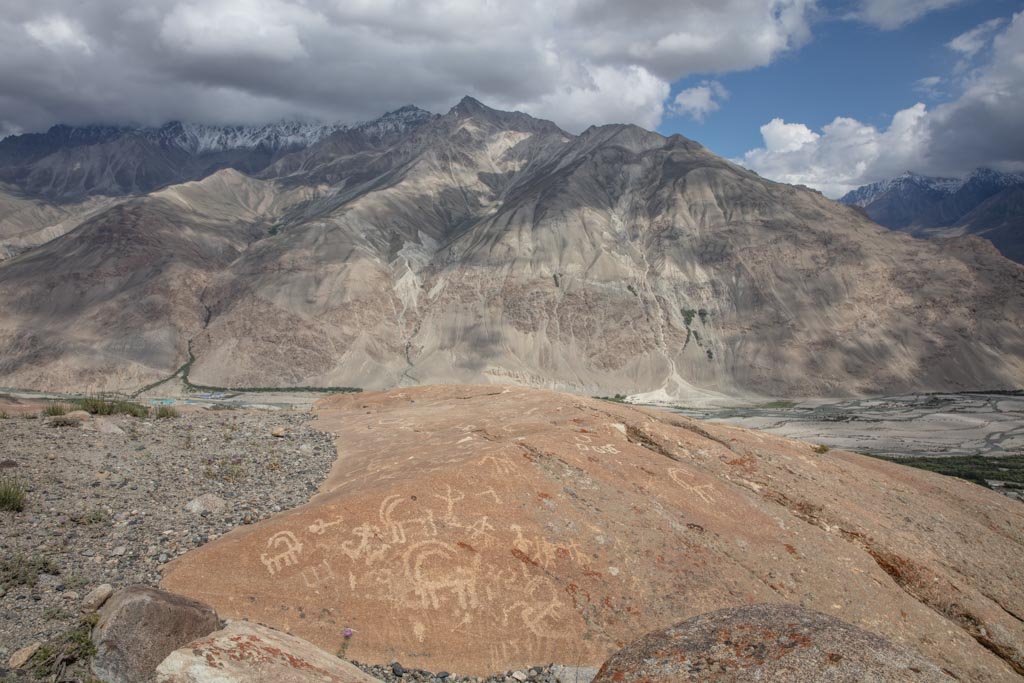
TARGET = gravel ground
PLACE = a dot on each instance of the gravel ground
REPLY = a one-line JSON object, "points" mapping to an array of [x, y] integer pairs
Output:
{"points": [[110, 507]]}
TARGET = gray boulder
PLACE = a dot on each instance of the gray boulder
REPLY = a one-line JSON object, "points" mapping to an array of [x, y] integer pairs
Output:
{"points": [[778, 643], [139, 626]]}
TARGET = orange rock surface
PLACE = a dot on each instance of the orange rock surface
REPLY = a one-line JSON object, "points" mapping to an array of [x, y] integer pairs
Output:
{"points": [[483, 528]]}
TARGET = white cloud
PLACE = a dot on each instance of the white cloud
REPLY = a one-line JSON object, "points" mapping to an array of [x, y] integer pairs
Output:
{"points": [[57, 32], [975, 40], [579, 63], [700, 100], [929, 85], [979, 128], [892, 14], [842, 156]]}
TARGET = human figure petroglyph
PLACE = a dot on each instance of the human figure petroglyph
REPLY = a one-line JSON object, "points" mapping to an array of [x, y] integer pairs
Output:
{"points": [[450, 500], [289, 550], [479, 530], [703, 491], [318, 575], [319, 526]]}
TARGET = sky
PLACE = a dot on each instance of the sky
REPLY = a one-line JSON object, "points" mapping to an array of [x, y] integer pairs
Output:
{"points": [[828, 93]]}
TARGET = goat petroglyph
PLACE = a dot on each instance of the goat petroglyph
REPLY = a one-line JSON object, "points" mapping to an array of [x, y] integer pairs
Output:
{"points": [[287, 550]]}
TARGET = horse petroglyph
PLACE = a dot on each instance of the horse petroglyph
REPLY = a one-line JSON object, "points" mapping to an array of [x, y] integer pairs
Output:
{"points": [[703, 491]]}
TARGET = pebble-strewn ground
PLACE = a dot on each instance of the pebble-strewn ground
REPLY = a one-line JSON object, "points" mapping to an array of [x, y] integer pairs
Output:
{"points": [[110, 507]]}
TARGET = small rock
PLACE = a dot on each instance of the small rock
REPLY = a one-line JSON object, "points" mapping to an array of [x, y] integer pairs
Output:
{"points": [[20, 657], [95, 598], [119, 551], [206, 504], [79, 415], [397, 669], [279, 432], [519, 676]]}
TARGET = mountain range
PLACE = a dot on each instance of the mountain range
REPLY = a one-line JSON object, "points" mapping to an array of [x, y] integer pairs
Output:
{"points": [[986, 203], [473, 246]]}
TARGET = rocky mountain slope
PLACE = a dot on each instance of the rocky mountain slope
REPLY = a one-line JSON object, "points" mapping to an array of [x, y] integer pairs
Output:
{"points": [[985, 203], [488, 246], [479, 529]]}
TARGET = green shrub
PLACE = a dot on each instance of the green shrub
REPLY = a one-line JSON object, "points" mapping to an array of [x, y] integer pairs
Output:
{"points": [[12, 495], [162, 412], [97, 405], [4, 415], [821, 449], [64, 421], [55, 408]]}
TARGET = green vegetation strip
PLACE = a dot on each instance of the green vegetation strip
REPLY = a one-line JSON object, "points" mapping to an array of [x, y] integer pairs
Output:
{"points": [[975, 468]]}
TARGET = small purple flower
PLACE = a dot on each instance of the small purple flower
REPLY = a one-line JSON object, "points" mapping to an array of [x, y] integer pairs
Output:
{"points": [[347, 633]]}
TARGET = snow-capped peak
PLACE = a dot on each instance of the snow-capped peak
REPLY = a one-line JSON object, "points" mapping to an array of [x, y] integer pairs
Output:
{"points": [[867, 194]]}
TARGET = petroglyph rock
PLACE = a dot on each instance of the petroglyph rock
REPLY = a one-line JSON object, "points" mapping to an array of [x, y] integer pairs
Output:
{"points": [[249, 653], [482, 529], [779, 643]]}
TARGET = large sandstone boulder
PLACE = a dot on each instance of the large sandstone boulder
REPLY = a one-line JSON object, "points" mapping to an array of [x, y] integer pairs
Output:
{"points": [[778, 643], [139, 626], [482, 529], [244, 652]]}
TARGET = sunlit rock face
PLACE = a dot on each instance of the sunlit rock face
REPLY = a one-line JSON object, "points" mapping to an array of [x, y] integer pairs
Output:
{"points": [[481, 529]]}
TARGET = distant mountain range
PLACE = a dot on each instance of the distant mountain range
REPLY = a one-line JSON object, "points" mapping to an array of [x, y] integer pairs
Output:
{"points": [[70, 163], [474, 246], [986, 203]]}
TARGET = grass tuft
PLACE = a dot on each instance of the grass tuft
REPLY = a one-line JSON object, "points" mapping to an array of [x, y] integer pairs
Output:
{"points": [[97, 405], [821, 449], [54, 409], [66, 648], [12, 495], [163, 412]]}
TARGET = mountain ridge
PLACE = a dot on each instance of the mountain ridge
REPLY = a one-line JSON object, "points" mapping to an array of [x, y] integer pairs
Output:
{"points": [[488, 246]]}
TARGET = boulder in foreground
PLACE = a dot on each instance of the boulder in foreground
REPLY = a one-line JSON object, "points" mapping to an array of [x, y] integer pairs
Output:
{"points": [[778, 643], [139, 626], [244, 652]]}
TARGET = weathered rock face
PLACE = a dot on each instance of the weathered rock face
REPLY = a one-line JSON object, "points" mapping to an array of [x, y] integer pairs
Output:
{"points": [[477, 529], [139, 626], [779, 643], [244, 652]]}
